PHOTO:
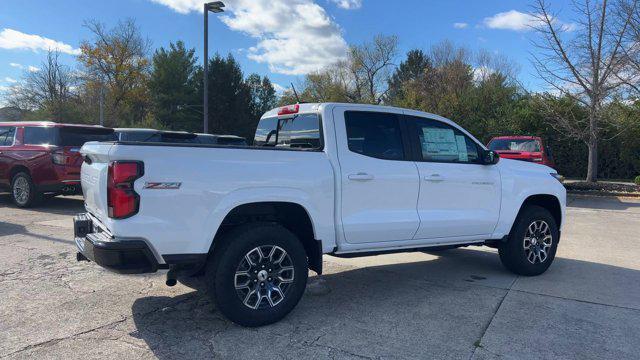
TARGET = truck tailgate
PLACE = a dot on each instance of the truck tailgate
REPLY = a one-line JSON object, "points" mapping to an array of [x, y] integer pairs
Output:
{"points": [[94, 178]]}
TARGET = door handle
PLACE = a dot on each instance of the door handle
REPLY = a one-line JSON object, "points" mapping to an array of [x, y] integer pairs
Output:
{"points": [[434, 178], [360, 176]]}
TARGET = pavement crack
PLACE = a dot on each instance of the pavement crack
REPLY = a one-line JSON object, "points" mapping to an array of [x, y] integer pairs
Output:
{"points": [[576, 300], [52, 342], [478, 343], [55, 341]]}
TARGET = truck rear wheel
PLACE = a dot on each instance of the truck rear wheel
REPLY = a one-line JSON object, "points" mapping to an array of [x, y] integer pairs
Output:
{"points": [[257, 274], [532, 243]]}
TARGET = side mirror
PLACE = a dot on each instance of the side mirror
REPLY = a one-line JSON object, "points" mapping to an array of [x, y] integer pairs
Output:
{"points": [[490, 157]]}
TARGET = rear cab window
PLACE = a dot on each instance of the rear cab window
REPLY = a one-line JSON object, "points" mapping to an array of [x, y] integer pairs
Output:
{"points": [[301, 131]]}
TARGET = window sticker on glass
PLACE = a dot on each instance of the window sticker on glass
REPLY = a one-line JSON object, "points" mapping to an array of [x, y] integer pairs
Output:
{"points": [[439, 142], [463, 156]]}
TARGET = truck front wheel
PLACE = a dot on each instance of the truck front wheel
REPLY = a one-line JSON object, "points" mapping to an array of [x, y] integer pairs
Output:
{"points": [[257, 274], [532, 243]]}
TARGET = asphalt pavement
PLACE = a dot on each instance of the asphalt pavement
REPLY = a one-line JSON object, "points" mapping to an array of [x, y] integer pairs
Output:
{"points": [[459, 304]]}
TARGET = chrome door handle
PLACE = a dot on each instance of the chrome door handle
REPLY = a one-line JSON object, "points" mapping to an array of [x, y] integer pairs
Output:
{"points": [[434, 178], [360, 176]]}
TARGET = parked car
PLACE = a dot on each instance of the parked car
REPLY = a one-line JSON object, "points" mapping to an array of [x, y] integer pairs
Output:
{"points": [[526, 148], [338, 179], [231, 140], [38, 158], [155, 136]]}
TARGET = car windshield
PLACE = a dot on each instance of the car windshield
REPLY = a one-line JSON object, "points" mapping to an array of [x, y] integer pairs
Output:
{"points": [[529, 145]]}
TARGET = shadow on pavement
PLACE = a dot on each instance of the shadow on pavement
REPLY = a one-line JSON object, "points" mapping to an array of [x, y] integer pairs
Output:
{"points": [[408, 310], [59, 205], [7, 229], [603, 203]]}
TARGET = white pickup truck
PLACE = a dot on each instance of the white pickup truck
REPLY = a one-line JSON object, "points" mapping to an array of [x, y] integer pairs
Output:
{"points": [[338, 179]]}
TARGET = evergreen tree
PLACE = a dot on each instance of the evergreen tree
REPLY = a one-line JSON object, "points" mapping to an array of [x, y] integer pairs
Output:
{"points": [[174, 88]]}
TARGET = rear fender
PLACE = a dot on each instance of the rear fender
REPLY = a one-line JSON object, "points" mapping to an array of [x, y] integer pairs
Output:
{"points": [[320, 222]]}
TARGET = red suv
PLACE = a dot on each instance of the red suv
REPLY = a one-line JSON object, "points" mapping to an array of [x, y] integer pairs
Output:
{"points": [[526, 148], [38, 158]]}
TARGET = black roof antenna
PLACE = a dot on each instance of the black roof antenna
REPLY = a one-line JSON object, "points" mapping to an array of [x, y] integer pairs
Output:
{"points": [[295, 93]]}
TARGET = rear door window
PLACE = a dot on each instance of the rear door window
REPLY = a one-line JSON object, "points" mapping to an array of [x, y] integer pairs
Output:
{"points": [[374, 134], [7, 135]]}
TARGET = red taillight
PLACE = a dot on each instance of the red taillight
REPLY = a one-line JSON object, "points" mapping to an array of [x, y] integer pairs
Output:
{"points": [[289, 110], [122, 200]]}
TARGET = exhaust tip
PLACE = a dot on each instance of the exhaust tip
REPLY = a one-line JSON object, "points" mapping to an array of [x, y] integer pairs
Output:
{"points": [[171, 282]]}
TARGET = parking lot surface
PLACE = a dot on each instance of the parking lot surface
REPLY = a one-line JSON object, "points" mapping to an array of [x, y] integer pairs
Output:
{"points": [[458, 304]]}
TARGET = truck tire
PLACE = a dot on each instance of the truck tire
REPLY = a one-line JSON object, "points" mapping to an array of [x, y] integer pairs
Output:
{"points": [[532, 243], [23, 191], [257, 273]]}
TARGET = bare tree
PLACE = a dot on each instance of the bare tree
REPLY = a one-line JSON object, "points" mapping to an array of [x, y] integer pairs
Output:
{"points": [[588, 67], [51, 88], [632, 53], [370, 64], [117, 59]]}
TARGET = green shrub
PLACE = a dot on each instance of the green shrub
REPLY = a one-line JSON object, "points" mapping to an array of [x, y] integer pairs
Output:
{"points": [[637, 180]]}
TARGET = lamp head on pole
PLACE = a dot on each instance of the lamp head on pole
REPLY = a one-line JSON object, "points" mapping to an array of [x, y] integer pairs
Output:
{"points": [[215, 6]]}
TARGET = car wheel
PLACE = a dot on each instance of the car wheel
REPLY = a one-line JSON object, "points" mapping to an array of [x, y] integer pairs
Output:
{"points": [[532, 243], [257, 274], [23, 191]]}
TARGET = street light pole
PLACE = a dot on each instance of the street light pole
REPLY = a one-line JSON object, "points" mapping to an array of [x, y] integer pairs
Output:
{"points": [[215, 7]]}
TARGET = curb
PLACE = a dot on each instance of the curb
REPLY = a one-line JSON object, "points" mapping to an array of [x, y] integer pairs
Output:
{"points": [[596, 193]]}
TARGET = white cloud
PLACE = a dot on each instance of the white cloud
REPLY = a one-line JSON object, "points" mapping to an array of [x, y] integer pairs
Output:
{"points": [[278, 88], [460, 25], [13, 39], [10, 80], [31, 68], [293, 37], [348, 4], [511, 20], [519, 21]]}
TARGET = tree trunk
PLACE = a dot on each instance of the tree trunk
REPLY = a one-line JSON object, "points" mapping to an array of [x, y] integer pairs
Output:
{"points": [[592, 168]]}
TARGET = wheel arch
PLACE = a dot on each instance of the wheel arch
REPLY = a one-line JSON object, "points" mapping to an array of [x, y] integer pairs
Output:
{"points": [[16, 169], [547, 201], [291, 215]]}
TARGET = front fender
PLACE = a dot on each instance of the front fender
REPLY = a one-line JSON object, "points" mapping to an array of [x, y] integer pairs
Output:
{"points": [[516, 188]]}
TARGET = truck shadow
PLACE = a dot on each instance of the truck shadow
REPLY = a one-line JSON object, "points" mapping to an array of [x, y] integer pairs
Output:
{"points": [[439, 307]]}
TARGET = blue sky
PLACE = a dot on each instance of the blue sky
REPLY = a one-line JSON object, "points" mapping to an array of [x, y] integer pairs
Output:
{"points": [[283, 39]]}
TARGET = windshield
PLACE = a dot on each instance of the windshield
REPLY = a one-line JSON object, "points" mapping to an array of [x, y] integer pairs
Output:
{"points": [[528, 145], [301, 131]]}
